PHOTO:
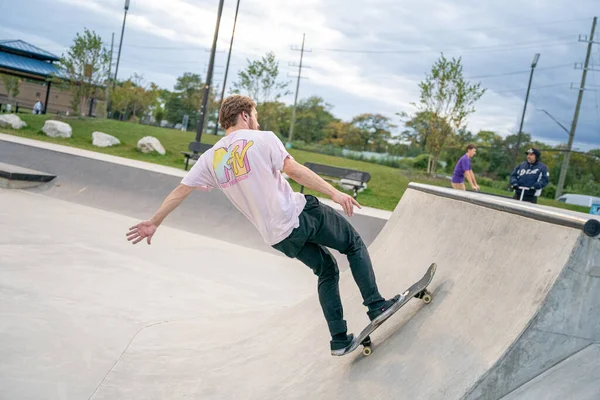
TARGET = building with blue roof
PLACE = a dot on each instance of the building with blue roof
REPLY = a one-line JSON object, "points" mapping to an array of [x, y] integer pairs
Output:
{"points": [[24, 60]]}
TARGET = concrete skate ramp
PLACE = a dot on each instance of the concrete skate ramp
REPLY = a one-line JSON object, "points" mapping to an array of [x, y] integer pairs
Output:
{"points": [[517, 292], [516, 299]]}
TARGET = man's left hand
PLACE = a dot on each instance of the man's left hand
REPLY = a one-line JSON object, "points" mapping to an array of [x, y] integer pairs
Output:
{"points": [[138, 232], [347, 202]]}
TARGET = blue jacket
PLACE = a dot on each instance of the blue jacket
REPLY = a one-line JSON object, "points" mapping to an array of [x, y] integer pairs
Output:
{"points": [[534, 176]]}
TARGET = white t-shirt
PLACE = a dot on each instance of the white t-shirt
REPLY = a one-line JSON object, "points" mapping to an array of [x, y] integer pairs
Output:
{"points": [[245, 165]]}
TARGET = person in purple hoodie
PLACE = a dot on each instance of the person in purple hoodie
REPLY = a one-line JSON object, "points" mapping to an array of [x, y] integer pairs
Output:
{"points": [[463, 170]]}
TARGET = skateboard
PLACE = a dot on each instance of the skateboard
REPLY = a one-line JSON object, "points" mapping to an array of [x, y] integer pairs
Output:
{"points": [[417, 290]]}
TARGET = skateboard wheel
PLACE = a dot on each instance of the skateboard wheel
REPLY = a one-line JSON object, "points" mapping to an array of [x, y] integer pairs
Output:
{"points": [[367, 351], [426, 296]]}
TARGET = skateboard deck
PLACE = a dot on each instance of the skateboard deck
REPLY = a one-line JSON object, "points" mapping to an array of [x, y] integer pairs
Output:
{"points": [[417, 290]]}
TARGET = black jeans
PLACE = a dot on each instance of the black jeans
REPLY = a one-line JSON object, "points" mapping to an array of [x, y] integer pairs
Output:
{"points": [[320, 227]]}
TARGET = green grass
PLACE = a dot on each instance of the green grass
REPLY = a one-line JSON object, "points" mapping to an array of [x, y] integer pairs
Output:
{"points": [[384, 189]]}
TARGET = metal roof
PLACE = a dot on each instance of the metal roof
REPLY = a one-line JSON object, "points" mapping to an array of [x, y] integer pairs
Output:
{"points": [[28, 65], [26, 49]]}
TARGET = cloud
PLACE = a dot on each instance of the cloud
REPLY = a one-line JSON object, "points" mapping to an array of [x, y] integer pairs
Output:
{"points": [[368, 58]]}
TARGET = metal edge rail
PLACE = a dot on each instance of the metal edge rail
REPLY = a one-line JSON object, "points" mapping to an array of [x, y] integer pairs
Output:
{"points": [[590, 226]]}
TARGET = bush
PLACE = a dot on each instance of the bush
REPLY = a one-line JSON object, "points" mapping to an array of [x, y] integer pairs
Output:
{"points": [[421, 162], [485, 181], [589, 187]]}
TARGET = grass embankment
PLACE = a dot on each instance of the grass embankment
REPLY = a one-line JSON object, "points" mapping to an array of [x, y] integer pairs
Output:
{"points": [[384, 189]]}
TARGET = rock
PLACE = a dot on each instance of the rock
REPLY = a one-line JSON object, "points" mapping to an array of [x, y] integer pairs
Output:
{"points": [[57, 129], [11, 121], [102, 139], [148, 144]]}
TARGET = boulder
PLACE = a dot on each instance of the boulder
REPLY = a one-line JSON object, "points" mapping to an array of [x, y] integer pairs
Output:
{"points": [[149, 144], [102, 139], [57, 129], [11, 121]]}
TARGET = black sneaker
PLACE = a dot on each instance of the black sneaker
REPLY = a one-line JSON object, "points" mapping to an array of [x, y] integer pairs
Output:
{"points": [[381, 308], [339, 346]]}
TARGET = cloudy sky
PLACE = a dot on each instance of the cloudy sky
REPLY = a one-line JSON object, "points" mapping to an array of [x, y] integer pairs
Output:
{"points": [[363, 58]]}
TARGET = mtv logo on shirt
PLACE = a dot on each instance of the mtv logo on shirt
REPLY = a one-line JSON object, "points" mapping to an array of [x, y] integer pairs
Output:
{"points": [[231, 164]]}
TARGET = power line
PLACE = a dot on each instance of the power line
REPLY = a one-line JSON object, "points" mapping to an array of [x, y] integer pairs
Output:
{"points": [[505, 46], [518, 72], [533, 88], [141, 46], [495, 28]]}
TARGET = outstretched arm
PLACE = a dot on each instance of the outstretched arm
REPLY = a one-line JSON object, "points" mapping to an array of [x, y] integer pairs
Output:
{"points": [[146, 229], [308, 178]]}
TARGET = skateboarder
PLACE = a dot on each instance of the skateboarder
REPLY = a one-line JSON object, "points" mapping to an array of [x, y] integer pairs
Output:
{"points": [[245, 165], [463, 169], [532, 174]]}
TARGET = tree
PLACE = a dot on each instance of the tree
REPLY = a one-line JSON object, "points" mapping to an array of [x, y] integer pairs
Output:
{"points": [[12, 85], [493, 153], [312, 116], [336, 132], [189, 87], [186, 99], [418, 128], [85, 65], [134, 97], [374, 132], [448, 99], [260, 82], [278, 117]]}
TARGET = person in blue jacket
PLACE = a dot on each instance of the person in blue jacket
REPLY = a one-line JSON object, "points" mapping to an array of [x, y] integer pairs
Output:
{"points": [[532, 174]]}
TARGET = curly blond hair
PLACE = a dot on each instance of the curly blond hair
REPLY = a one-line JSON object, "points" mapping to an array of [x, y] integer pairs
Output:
{"points": [[232, 107]]}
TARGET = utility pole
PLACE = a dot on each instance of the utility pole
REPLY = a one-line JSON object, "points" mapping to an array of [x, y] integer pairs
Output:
{"points": [[237, 7], [121, 42], [211, 65], [536, 57], [107, 90], [563, 169], [289, 143]]}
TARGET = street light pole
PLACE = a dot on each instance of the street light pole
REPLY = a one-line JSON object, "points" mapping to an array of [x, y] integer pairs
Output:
{"points": [[211, 65], [121, 42], [227, 67], [536, 57]]}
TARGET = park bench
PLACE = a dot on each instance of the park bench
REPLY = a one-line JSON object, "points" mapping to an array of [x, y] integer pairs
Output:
{"points": [[194, 148], [347, 178]]}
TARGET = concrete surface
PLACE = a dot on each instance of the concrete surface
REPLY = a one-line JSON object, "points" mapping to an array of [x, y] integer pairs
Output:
{"points": [[77, 299], [577, 377], [83, 314]]}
